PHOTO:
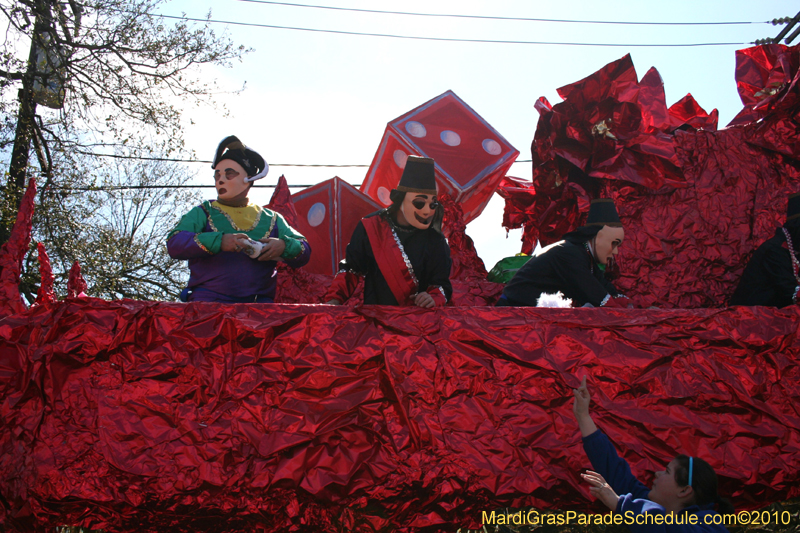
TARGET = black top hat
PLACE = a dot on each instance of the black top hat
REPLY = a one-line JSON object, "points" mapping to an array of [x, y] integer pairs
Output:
{"points": [[234, 149], [793, 207], [603, 212], [418, 176]]}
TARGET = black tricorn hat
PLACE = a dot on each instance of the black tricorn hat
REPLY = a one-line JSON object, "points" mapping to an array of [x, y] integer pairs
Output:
{"points": [[234, 149], [793, 207], [418, 176], [603, 212]]}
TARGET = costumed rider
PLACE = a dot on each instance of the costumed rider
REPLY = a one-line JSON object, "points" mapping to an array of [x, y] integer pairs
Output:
{"points": [[232, 244], [772, 277], [574, 266], [686, 489], [400, 251]]}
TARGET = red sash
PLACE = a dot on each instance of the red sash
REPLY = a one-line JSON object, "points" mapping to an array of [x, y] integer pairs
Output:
{"points": [[391, 258]]}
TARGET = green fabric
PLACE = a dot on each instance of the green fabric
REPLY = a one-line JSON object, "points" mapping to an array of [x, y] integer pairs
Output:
{"points": [[291, 237], [212, 241], [505, 269], [195, 221], [222, 223]]}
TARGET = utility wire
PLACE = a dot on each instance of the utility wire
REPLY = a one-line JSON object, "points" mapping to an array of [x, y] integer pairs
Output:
{"points": [[444, 39], [145, 158], [130, 187], [486, 17]]}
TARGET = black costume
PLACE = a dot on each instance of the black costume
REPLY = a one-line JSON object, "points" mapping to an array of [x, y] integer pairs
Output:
{"points": [[566, 266], [427, 250], [772, 277], [400, 262], [769, 278]]}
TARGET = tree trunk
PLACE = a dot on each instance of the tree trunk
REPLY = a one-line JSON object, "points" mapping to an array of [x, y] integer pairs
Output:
{"points": [[18, 167]]}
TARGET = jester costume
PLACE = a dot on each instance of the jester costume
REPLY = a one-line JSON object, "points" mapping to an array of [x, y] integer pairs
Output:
{"points": [[233, 276]]}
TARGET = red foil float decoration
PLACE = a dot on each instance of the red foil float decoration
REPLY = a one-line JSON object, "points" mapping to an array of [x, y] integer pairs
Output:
{"points": [[46, 293], [695, 202], [298, 285], [766, 78], [329, 213], [130, 416], [76, 285], [13, 252]]}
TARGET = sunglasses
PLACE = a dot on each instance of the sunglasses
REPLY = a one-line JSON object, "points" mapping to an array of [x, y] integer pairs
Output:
{"points": [[229, 174], [420, 204]]}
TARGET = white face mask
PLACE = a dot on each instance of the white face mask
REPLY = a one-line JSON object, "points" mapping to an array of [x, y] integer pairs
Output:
{"points": [[229, 179], [418, 209], [607, 243]]}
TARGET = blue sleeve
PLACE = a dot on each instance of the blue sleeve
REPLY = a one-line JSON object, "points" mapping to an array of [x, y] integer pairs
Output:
{"points": [[627, 504], [615, 470], [682, 521]]}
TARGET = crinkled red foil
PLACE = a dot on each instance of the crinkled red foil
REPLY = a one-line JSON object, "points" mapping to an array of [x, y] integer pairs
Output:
{"points": [[467, 273], [145, 416], [13, 252], [687, 112], [46, 294], [609, 126], [766, 77], [281, 202], [76, 285], [695, 202], [141, 416], [466, 263]]}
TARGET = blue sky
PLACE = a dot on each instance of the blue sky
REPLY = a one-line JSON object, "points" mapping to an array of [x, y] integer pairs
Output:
{"points": [[317, 98]]}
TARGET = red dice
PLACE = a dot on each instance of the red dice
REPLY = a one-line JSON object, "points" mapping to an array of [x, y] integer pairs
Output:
{"points": [[471, 156], [327, 214]]}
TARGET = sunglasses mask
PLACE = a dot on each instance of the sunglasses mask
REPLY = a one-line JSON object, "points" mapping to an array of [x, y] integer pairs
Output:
{"points": [[419, 209], [229, 178]]}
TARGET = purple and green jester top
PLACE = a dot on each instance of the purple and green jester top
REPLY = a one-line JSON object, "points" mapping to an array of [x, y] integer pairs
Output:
{"points": [[218, 276]]}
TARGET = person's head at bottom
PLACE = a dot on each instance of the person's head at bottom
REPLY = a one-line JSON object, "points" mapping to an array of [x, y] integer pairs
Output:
{"points": [[686, 481]]}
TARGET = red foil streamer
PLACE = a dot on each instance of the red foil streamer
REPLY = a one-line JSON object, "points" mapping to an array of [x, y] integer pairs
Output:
{"points": [[13, 252], [46, 293], [281, 202], [76, 285], [132, 416]]}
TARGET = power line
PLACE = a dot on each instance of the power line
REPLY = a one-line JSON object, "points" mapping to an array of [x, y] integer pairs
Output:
{"points": [[445, 39], [166, 159], [137, 187], [170, 160], [487, 17], [142, 187]]}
